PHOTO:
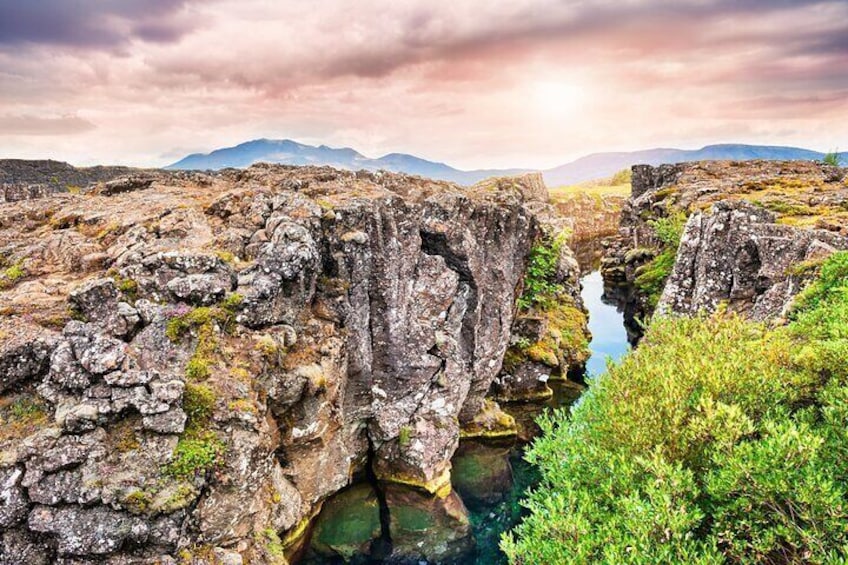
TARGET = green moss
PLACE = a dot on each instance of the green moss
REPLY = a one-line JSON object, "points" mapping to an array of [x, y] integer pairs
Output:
{"points": [[203, 322], [137, 501], [404, 436], [226, 256], [232, 303], [195, 454], [540, 284], [126, 439], [650, 277], [21, 415], [564, 342], [179, 497], [788, 208], [267, 347], [12, 275], [197, 368], [199, 405], [199, 448], [127, 286], [272, 543]]}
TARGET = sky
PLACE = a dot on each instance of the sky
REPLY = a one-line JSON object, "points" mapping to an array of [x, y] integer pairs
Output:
{"points": [[475, 83]]}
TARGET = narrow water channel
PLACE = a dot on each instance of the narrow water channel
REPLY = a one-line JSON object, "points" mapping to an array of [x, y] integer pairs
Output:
{"points": [[489, 521], [490, 477], [606, 322]]}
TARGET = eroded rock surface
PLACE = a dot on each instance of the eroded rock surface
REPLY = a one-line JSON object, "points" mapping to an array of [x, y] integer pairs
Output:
{"points": [[768, 215], [192, 364], [735, 254]]}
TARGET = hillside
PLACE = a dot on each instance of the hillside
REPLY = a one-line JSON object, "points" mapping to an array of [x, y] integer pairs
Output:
{"points": [[600, 165], [594, 166], [287, 152]]}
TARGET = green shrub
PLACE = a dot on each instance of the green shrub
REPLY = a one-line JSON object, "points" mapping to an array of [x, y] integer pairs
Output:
{"points": [[833, 158], [651, 277], [540, 284], [718, 440]]}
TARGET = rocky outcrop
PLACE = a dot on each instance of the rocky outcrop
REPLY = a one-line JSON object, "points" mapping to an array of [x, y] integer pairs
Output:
{"points": [[224, 352], [736, 255], [591, 221], [794, 204], [27, 180]]}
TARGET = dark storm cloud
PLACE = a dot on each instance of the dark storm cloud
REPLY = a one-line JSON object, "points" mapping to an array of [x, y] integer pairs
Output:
{"points": [[87, 23]]}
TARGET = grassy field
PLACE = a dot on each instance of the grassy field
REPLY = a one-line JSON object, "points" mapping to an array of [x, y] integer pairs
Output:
{"points": [[616, 185]]}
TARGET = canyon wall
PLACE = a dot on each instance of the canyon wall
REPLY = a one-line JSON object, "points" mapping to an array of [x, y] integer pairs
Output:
{"points": [[739, 231], [191, 364]]}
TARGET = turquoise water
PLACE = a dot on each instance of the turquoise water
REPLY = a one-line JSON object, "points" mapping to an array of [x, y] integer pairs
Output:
{"points": [[609, 338]]}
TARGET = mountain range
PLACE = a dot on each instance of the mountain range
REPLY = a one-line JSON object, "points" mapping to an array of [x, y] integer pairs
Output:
{"points": [[594, 166]]}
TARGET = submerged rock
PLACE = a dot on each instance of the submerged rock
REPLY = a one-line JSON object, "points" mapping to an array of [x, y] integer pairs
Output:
{"points": [[427, 527], [349, 523], [482, 473]]}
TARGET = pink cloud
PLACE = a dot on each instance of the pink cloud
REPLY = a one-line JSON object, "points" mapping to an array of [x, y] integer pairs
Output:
{"points": [[473, 83]]}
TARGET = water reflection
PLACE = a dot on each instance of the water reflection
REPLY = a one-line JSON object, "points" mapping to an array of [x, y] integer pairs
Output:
{"points": [[606, 322]]}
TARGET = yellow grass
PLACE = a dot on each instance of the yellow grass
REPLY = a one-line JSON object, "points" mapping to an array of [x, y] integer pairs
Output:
{"points": [[616, 185]]}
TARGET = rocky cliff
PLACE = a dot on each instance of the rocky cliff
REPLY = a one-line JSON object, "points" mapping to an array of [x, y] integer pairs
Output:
{"points": [[591, 220], [191, 364], [695, 236]]}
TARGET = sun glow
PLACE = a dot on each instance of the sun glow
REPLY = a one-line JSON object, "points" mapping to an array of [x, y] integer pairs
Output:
{"points": [[557, 99]]}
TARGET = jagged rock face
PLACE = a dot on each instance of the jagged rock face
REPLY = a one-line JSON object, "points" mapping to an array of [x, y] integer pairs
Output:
{"points": [[800, 194], [735, 254], [244, 344]]}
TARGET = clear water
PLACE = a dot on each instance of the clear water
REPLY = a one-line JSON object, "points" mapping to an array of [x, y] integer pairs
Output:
{"points": [[606, 322]]}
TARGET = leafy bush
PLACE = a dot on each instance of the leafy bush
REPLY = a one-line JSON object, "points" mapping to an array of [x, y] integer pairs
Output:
{"points": [[651, 277], [833, 158], [718, 440], [540, 284]]}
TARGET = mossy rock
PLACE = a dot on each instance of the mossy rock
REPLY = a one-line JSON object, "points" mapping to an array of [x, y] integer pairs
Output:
{"points": [[481, 474], [348, 524], [429, 528]]}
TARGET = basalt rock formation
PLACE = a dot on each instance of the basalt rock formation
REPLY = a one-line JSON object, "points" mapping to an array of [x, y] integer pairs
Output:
{"points": [[746, 225], [591, 221], [191, 364], [737, 256]]}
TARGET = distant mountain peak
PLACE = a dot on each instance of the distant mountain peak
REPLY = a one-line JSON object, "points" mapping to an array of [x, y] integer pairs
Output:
{"points": [[592, 166]]}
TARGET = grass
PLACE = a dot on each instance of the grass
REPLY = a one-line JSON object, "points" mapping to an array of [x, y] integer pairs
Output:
{"points": [[616, 185], [718, 440], [21, 415]]}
